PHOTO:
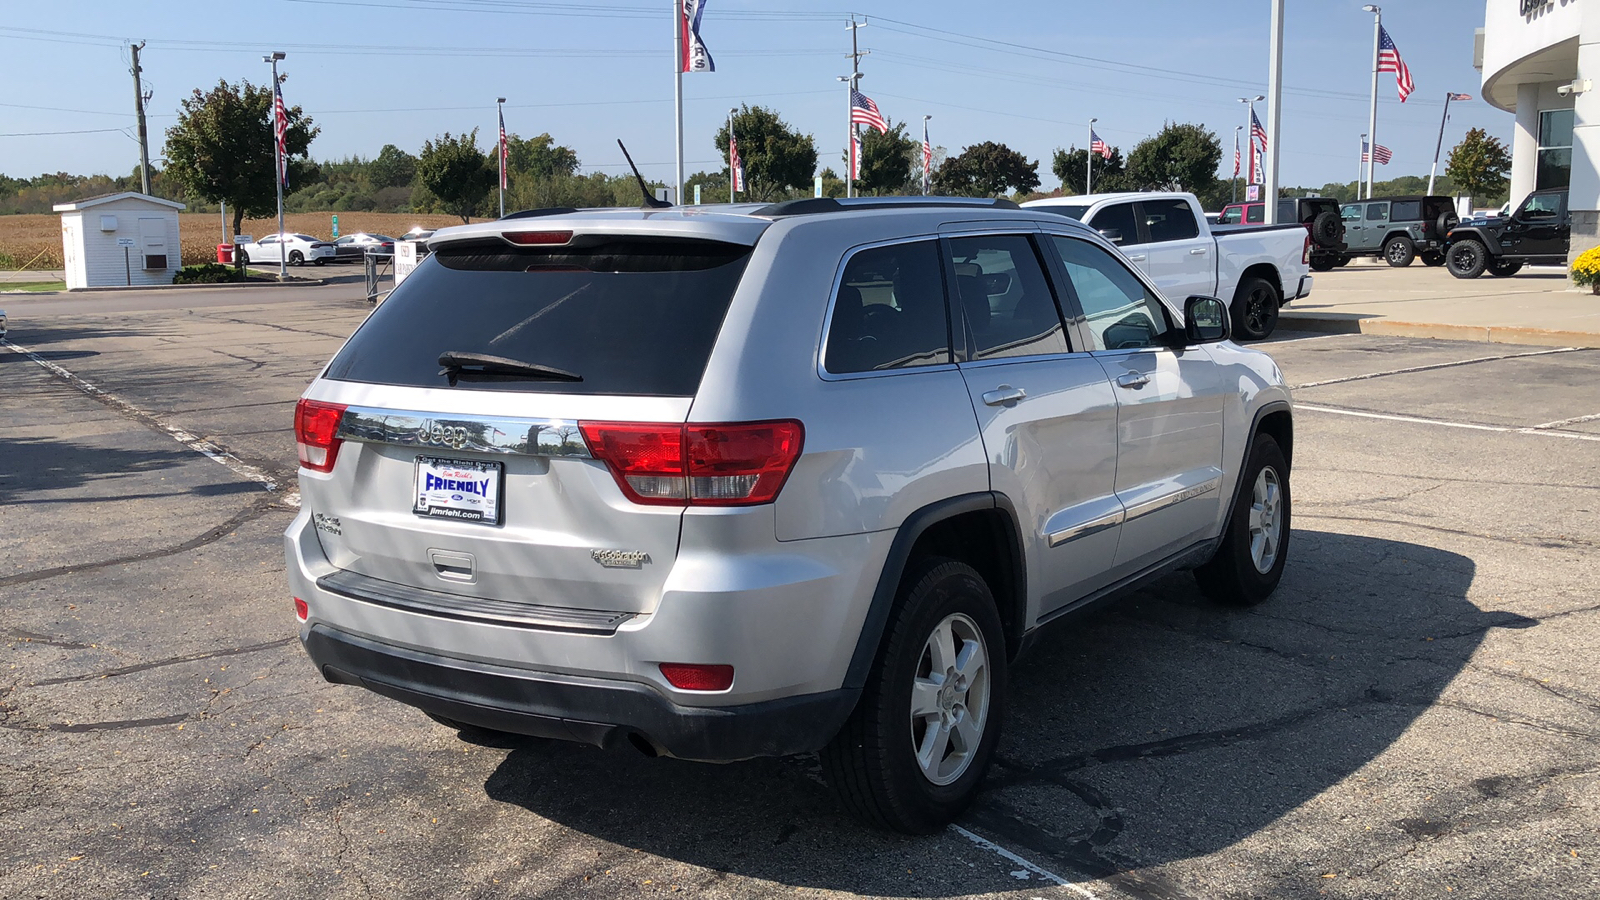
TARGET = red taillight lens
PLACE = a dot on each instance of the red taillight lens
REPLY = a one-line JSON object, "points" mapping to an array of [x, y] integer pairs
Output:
{"points": [[1305, 252], [688, 677], [316, 425], [737, 464], [538, 238], [301, 610]]}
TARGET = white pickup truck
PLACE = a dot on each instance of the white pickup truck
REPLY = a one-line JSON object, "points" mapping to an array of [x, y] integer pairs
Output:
{"points": [[1256, 268]]}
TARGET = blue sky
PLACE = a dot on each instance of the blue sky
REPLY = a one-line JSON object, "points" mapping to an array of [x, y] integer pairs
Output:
{"points": [[1029, 73]]}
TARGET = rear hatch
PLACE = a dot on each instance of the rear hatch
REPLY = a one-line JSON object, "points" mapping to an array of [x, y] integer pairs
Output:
{"points": [[455, 419]]}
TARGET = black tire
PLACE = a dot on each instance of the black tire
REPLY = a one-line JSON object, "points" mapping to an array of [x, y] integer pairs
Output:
{"points": [[1432, 258], [872, 763], [1327, 228], [1255, 309], [1321, 263], [319, 260], [1234, 576], [1399, 251], [296, 258], [1446, 221], [1342, 261], [1467, 259], [1505, 268]]}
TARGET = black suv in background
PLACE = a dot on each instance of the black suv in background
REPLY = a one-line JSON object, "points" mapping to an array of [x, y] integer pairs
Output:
{"points": [[1320, 215], [1538, 233], [1399, 229]]}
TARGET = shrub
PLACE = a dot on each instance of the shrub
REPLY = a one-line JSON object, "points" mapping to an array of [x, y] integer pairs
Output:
{"points": [[1586, 269], [207, 273]]}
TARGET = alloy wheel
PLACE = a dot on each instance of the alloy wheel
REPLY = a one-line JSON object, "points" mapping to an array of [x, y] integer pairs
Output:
{"points": [[950, 699], [1266, 520]]}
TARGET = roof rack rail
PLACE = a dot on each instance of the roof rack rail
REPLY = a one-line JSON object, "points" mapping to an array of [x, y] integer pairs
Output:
{"points": [[813, 205], [535, 213]]}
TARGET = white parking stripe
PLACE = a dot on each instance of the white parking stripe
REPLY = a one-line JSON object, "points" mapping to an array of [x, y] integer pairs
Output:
{"points": [[1503, 429], [199, 445], [1013, 858], [1572, 421], [1428, 368]]}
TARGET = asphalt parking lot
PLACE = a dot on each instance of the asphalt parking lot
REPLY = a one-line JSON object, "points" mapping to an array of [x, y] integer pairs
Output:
{"points": [[1414, 714]]}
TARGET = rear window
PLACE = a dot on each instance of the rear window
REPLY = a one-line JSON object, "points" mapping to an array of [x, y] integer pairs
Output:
{"points": [[1405, 210], [630, 317]]}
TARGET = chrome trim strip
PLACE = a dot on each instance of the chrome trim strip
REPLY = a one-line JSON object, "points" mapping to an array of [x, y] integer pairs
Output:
{"points": [[1178, 496], [1084, 529], [463, 432]]}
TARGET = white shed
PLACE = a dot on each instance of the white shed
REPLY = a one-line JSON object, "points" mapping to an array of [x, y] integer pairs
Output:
{"points": [[126, 238]]}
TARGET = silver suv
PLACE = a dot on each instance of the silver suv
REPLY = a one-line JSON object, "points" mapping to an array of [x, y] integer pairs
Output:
{"points": [[725, 482]]}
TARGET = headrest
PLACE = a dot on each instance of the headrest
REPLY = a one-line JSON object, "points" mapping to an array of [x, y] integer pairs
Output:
{"points": [[975, 300]]}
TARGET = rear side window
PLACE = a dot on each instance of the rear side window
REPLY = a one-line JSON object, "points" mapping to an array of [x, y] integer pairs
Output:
{"points": [[1377, 212], [1117, 224], [628, 316], [1230, 216], [1405, 210], [1350, 212], [1169, 220], [1005, 298], [889, 312], [1255, 214]]}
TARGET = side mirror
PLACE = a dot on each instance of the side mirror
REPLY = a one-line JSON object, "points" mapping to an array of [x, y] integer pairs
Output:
{"points": [[1114, 235], [1205, 320]]}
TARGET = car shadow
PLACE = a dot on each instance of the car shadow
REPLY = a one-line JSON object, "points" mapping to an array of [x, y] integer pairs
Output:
{"points": [[33, 466], [1190, 725]]}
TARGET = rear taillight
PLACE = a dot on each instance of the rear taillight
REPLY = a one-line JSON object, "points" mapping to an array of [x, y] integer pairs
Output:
{"points": [[689, 677], [734, 464], [301, 610], [538, 238], [1305, 252], [316, 426]]}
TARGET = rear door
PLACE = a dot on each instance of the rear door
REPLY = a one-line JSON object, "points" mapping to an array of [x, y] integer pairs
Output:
{"points": [[1046, 411], [471, 481], [1180, 260], [1169, 399]]}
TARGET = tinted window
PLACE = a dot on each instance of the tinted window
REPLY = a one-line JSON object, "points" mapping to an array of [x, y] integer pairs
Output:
{"points": [[1350, 212], [890, 311], [1405, 210], [1120, 312], [1071, 212], [1377, 212], [1230, 216], [1005, 298], [1255, 214], [1118, 218], [1170, 220], [630, 317]]}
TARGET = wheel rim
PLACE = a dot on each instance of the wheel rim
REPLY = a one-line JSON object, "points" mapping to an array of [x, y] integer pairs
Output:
{"points": [[1397, 252], [1466, 258], [1258, 312], [1266, 520], [950, 699]]}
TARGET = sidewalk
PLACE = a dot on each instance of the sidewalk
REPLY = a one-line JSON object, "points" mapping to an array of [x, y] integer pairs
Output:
{"points": [[1532, 307]]}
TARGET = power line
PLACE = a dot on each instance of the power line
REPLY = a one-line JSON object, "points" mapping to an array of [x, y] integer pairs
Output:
{"points": [[81, 131]]}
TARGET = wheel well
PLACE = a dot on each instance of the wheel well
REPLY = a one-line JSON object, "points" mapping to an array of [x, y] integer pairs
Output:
{"points": [[1399, 234], [1266, 272], [986, 540], [1280, 425]]}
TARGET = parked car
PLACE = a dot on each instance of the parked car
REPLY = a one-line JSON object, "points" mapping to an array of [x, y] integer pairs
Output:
{"points": [[1399, 229], [296, 249], [355, 246], [1538, 233], [1320, 216], [1165, 234], [789, 478]]}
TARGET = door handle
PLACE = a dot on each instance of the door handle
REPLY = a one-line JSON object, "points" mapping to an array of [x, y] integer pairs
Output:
{"points": [[1137, 258], [1003, 395], [1133, 380], [1198, 251]]}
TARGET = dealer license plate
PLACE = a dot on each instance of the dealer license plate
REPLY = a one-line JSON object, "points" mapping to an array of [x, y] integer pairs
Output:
{"points": [[464, 489]]}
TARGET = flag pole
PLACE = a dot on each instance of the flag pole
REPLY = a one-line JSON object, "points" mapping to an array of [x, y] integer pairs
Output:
{"points": [[499, 107], [1448, 96], [1088, 162], [677, 90], [731, 142], [849, 135], [277, 170], [1361, 162], [1372, 113]]}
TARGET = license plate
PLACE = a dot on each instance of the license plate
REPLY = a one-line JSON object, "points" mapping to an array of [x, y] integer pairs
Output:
{"points": [[463, 489]]}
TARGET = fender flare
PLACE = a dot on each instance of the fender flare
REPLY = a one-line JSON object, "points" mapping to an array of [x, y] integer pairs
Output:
{"points": [[886, 595], [1490, 247], [1268, 408]]}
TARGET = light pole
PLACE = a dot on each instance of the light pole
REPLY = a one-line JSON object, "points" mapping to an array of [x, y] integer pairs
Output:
{"points": [[1372, 112], [277, 159], [1250, 135], [1088, 161], [1269, 147], [731, 144], [500, 113], [850, 131], [1234, 181]]}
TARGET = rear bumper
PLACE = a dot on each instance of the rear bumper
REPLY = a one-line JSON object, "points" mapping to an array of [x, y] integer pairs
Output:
{"points": [[586, 710], [1306, 282]]}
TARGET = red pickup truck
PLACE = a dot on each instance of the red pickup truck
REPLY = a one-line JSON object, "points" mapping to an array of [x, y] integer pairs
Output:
{"points": [[1320, 215]]}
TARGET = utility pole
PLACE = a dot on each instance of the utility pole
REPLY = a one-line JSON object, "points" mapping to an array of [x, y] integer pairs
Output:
{"points": [[139, 99], [855, 75], [277, 169]]}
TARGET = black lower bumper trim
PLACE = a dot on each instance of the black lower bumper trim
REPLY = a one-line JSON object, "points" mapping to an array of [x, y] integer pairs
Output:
{"points": [[590, 711]]}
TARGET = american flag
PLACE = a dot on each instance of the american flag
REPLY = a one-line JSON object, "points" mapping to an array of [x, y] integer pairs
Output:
{"points": [[1380, 155], [505, 155], [864, 112], [927, 158], [1096, 145], [1257, 133], [280, 131], [1389, 61], [735, 164], [1236, 153], [855, 155], [1460, 96]]}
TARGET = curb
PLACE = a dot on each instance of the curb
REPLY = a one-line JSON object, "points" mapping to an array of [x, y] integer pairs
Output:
{"points": [[293, 282], [1484, 334]]}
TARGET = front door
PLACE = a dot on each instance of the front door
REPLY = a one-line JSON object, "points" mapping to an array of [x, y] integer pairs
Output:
{"points": [[1540, 227], [1169, 399], [1180, 261], [1047, 414]]}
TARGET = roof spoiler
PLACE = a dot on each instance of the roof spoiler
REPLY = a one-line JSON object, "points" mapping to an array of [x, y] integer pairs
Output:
{"points": [[815, 205]]}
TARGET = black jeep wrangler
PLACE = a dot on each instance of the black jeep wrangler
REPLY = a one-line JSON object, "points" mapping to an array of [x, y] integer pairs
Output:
{"points": [[1536, 233]]}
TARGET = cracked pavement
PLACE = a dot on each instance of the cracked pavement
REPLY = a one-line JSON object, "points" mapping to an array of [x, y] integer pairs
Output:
{"points": [[1413, 714]]}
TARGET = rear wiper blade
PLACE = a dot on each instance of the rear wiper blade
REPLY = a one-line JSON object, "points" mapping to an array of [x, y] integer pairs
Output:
{"points": [[479, 366]]}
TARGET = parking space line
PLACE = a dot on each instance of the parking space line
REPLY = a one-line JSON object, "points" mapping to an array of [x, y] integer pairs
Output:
{"points": [[1421, 420], [1046, 874], [1575, 420], [201, 446], [1429, 368]]}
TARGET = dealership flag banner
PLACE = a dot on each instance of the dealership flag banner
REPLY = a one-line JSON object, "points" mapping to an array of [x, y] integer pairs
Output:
{"points": [[1236, 153], [1258, 148], [735, 164], [855, 156], [1389, 61], [695, 56], [280, 131], [504, 156], [1096, 145]]}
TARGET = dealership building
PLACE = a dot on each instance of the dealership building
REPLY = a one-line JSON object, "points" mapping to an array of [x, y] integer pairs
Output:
{"points": [[1540, 60]]}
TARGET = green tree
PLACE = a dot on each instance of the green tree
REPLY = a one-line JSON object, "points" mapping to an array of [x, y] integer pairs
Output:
{"points": [[986, 170], [1478, 166], [221, 149], [457, 173], [539, 157], [777, 159], [1182, 157], [393, 167], [886, 160], [1109, 174]]}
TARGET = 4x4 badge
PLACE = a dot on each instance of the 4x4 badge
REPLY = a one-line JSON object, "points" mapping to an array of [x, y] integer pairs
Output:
{"points": [[620, 559]]}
